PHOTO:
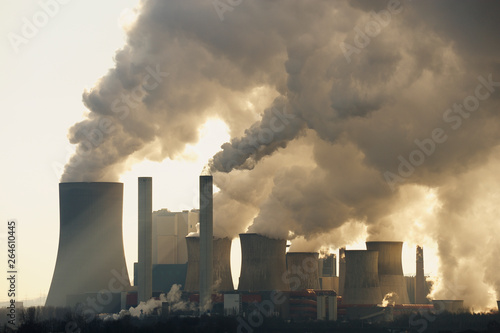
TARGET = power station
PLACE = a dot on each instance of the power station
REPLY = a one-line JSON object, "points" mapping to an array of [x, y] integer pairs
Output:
{"points": [[171, 252]]}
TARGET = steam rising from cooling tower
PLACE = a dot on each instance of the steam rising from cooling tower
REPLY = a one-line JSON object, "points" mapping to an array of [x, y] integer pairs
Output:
{"points": [[90, 253], [361, 121], [263, 263]]}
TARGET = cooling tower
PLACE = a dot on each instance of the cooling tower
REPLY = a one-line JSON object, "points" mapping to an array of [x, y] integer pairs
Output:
{"points": [[302, 270], [390, 269], [193, 265], [145, 243], [223, 280], [221, 273], [206, 241], [361, 278], [263, 263], [90, 257], [420, 284]]}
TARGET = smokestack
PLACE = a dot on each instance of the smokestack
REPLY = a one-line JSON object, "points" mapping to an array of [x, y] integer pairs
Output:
{"points": [[341, 271], [206, 242], [90, 253], [263, 263], [361, 278], [390, 269], [420, 284], [221, 273], [302, 270], [145, 247]]}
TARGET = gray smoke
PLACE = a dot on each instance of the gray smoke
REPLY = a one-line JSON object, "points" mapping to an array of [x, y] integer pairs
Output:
{"points": [[371, 112], [396, 134]]}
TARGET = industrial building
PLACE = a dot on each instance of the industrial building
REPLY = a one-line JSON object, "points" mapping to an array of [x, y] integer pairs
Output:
{"points": [[169, 248], [298, 285], [169, 232], [327, 272]]}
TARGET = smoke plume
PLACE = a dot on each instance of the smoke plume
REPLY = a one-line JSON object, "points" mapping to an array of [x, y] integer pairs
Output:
{"points": [[363, 112]]}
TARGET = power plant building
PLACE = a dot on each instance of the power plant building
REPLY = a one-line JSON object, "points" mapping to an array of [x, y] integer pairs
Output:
{"points": [[169, 235], [327, 271]]}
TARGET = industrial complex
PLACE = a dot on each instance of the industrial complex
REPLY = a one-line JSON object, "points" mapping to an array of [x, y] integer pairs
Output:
{"points": [[172, 251]]}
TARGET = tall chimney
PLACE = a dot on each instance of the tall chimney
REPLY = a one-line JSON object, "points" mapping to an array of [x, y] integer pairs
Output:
{"points": [[145, 247], [206, 242], [361, 278], [390, 269], [420, 284], [263, 263], [341, 270], [90, 253]]}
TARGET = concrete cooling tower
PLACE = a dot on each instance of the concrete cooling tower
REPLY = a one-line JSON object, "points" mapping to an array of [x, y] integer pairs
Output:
{"points": [[302, 270], [221, 271], [263, 263], [90, 257], [390, 269], [361, 278]]}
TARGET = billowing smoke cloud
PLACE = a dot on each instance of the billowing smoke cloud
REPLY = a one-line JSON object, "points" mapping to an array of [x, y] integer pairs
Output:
{"points": [[380, 113], [394, 127]]}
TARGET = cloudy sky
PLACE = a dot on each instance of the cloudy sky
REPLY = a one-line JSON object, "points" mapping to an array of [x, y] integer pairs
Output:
{"points": [[338, 120]]}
